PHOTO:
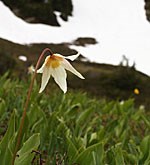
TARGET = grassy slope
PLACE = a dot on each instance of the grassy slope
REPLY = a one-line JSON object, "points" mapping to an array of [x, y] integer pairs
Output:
{"points": [[102, 80], [72, 126]]}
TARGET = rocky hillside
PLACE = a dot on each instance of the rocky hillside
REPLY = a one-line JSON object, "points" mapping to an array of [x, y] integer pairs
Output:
{"points": [[101, 80], [41, 11]]}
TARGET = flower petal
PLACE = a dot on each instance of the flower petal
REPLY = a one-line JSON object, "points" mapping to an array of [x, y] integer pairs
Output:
{"points": [[69, 67], [72, 57], [60, 76], [40, 70], [45, 77], [59, 55]]}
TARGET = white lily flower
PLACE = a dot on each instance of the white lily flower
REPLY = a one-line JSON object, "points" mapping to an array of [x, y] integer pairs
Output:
{"points": [[55, 65]]}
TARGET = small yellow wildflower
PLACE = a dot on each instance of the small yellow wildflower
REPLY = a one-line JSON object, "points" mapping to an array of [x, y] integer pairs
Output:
{"points": [[136, 91]]}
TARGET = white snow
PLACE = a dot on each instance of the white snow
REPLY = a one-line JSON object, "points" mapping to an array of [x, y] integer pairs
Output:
{"points": [[120, 27], [22, 58]]}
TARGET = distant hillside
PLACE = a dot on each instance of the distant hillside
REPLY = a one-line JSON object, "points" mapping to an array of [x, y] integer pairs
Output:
{"points": [[101, 80]]}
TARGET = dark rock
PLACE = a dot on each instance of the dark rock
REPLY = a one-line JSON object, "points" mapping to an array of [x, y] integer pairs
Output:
{"points": [[40, 12], [147, 9], [83, 41]]}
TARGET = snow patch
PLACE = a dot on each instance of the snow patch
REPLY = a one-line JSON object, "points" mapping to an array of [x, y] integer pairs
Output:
{"points": [[120, 27]]}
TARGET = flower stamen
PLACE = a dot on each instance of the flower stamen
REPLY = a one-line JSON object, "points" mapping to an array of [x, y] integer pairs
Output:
{"points": [[53, 61]]}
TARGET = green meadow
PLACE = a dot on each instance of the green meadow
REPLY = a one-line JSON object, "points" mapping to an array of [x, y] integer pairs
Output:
{"points": [[72, 128]]}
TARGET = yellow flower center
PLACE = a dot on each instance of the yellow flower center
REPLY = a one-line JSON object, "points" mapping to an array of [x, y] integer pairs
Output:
{"points": [[53, 61]]}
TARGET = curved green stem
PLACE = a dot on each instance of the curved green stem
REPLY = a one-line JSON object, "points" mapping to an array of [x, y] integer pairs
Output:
{"points": [[27, 103]]}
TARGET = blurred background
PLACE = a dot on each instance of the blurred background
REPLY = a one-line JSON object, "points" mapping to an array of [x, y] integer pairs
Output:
{"points": [[113, 39]]}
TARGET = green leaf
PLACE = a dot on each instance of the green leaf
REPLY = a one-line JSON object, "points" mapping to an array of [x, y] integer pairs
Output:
{"points": [[92, 155], [130, 158], [6, 147], [25, 153], [118, 155], [82, 121], [72, 150], [145, 151], [2, 107], [147, 122]]}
